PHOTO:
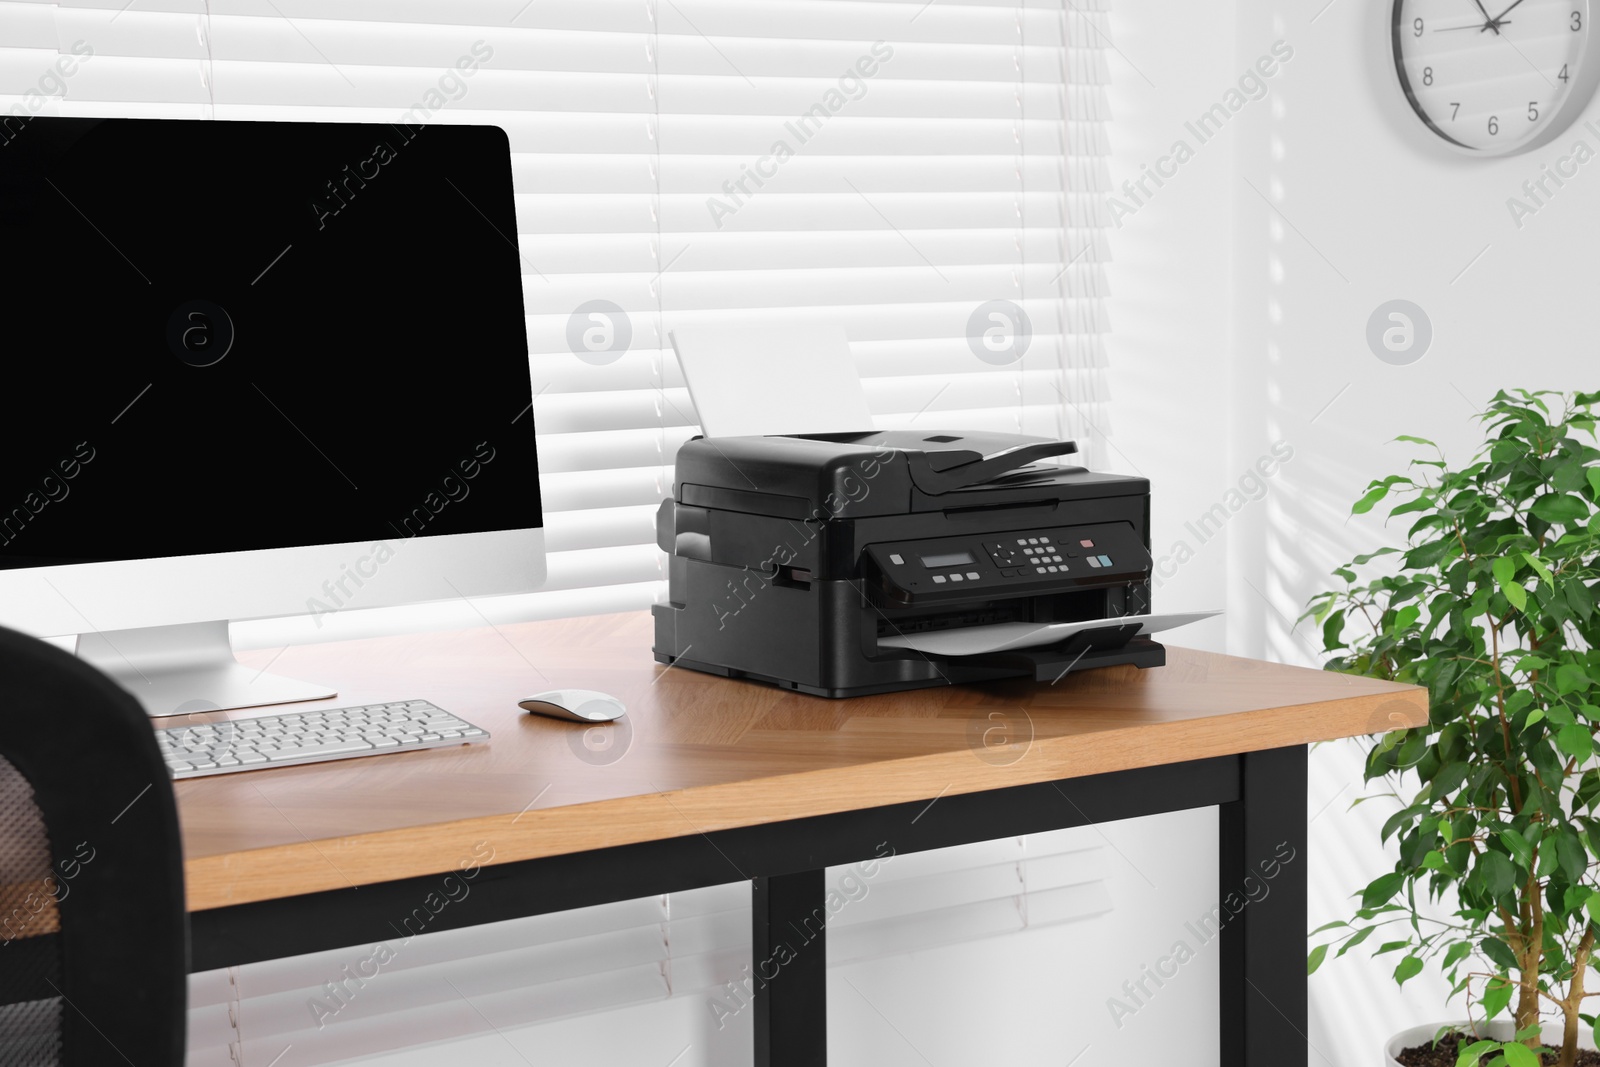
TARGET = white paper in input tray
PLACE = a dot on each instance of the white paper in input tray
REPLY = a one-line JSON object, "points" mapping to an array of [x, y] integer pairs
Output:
{"points": [[1005, 636]]}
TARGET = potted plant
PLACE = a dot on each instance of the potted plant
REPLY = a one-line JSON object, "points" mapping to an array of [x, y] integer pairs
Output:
{"points": [[1494, 606]]}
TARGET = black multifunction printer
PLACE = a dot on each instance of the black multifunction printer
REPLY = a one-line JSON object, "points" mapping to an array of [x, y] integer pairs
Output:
{"points": [[792, 557]]}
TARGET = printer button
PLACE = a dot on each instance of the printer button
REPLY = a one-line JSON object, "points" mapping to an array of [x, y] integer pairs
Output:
{"points": [[1094, 561], [1039, 569], [1105, 561], [972, 575], [1044, 540], [1086, 543], [955, 577], [938, 579], [896, 558], [1022, 540]]}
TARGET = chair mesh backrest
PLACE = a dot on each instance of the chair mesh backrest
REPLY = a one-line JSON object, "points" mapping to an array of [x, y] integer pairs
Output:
{"points": [[30, 960]]}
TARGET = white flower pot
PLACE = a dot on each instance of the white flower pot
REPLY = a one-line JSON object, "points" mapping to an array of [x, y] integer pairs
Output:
{"points": [[1499, 1030]]}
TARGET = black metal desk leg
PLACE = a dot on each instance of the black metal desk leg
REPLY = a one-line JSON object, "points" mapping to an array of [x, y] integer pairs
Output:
{"points": [[1263, 913], [790, 968]]}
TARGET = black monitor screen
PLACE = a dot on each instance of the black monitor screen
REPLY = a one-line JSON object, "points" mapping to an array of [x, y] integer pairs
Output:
{"points": [[227, 335]]}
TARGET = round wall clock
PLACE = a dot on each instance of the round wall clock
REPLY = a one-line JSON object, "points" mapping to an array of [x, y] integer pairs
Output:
{"points": [[1493, 77]]}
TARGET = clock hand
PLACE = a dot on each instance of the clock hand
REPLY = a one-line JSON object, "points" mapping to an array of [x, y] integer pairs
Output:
{"points": [[1503, 14], [1488, 23]]}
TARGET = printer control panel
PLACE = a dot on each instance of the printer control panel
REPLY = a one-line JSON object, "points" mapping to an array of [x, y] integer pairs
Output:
{"points": [[1009, 563]]}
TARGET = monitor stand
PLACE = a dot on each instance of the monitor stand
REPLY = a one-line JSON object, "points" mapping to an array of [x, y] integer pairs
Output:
{"points": [[181, 670]]}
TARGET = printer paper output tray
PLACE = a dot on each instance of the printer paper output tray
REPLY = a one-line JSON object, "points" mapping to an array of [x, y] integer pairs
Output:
{"points": [[1105, 647], [1006, 637]]}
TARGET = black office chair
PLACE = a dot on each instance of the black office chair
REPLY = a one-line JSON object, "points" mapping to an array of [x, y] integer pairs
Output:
{"points": [[93, 931]]}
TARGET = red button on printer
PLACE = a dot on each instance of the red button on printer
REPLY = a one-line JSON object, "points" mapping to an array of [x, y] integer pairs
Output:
{"points": [[1086, 543]]}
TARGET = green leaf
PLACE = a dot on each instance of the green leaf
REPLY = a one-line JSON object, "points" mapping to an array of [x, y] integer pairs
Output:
{"points": [[1518, 845], [1496, 995], [1559, 507], [1497, 873], [1520, 1055], [1498, 952], [1332, 629], [1592, 906], [1366, 503], [1570, 678], [1314, 960], [1416, 440], [1576, 741], [1538, 565], [1594, 481], [1383, 888], [1505, 571], [1473, 1053], [1548, 860], [1409, 967], [1361, 935], [1574, 860]]}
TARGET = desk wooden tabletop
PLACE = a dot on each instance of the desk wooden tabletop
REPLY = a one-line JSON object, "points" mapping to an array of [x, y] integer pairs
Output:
{"points": [[697, 753]]}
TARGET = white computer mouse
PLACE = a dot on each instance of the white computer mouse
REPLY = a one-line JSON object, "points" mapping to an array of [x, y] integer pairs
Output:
{"points": [[574, 705]]}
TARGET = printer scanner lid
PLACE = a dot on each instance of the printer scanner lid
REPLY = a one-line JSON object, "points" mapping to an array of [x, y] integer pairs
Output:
{"points": [[883, 472]]}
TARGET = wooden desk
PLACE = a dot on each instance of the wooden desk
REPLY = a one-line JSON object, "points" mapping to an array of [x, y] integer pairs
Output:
{"points": [[710, 780]]}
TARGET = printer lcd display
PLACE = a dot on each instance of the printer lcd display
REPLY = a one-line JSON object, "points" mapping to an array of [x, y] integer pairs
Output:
{"points": [[949, 559]]}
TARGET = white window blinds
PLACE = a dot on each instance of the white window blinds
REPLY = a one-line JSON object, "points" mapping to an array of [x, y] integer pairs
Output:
{"points": [[912, 171]]}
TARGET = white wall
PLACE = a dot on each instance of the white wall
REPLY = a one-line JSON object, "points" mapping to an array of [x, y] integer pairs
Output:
{"points": [[1371, 211]]}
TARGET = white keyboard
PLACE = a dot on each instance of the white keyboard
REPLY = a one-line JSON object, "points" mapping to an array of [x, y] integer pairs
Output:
{"points": [[311, 737]]}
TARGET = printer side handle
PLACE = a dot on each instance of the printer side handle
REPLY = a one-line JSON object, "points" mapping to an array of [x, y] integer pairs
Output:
{"points": [[993, 465]]}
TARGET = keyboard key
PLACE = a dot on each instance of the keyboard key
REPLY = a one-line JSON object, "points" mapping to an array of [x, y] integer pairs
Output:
{"points": [[313, 751]]}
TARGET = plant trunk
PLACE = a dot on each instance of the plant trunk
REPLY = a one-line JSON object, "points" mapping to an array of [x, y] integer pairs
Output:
{"points": [[1574, 1001], [1528, 1016], [1528, 994], [1533, 950]]}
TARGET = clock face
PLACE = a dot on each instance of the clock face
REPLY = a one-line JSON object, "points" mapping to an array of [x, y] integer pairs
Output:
{"points": [[1494, 76]]}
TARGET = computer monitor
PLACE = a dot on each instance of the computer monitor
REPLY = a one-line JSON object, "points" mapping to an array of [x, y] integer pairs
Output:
{"points": [[256, 369]]}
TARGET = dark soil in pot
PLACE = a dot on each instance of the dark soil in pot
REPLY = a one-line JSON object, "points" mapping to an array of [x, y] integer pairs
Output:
{"points": [[1444, 1054]]}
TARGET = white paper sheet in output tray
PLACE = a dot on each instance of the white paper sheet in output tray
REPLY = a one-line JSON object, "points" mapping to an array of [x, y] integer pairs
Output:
{"points": [[1005, 636]]}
